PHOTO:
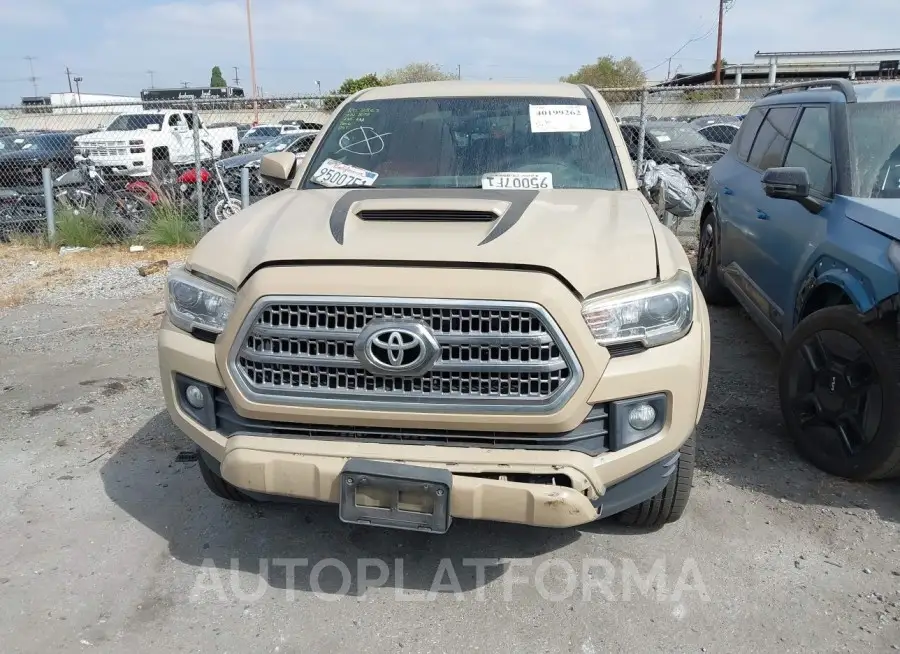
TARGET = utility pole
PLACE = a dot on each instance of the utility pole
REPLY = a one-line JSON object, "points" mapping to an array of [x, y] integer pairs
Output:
{"points": [[185, 84], [252, 65], [150, 73], [458, 71], [69, 75], [719, 43], [237, 80], [32, 79], [78, 81]]}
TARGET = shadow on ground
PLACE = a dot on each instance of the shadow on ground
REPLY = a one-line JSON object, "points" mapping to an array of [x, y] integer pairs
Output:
{"points": [[144, 479], [742, 437]]}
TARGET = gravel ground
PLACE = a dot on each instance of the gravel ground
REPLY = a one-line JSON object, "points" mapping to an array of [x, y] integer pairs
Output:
{"points": [[110, 542]]}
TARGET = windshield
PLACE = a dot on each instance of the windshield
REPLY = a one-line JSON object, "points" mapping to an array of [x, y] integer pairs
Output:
{"points": [[264, 131], [875, 149], [276, 145], [481, 142], [677, 136], [46, 142], [128, 122]]}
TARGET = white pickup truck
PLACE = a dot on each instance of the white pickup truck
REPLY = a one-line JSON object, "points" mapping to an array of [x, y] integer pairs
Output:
{"points": [[147, 142]]}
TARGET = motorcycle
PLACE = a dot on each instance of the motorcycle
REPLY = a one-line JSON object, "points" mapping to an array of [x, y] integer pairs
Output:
{"points": [[86, 190], [219, 203]]}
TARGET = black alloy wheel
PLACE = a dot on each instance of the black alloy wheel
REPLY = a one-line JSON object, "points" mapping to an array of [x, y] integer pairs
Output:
{"points": [[840, 394]]}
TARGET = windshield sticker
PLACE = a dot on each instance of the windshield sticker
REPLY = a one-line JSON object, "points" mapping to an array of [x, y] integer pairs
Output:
{"points": [[335, 174], [525, 181], [363, 141], [662, 138], [559, 118]]}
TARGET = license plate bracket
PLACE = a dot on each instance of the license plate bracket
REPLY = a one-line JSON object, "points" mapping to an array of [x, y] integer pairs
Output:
{"points": [[395, 495]]}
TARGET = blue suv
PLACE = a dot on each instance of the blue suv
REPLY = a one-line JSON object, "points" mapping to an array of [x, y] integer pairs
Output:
{"points": [[801, 226]]}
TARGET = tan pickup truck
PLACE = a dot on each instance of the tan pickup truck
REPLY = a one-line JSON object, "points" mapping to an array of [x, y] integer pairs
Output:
{"points": [[460, 306]]}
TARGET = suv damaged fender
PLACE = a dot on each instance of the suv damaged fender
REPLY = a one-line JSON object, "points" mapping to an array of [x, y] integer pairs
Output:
{"points": [[475, 316]]}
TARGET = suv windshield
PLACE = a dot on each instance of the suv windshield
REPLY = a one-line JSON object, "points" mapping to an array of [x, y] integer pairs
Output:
{"points": [[454, 142], [875, 149], [677, 136], [129, 122]]}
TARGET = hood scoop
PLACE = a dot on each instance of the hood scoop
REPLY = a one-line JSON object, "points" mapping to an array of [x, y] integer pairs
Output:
{"points": [[428, 215]]}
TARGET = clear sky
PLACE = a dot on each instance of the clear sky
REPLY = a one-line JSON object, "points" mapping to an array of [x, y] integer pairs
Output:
{"points": [[113, 43]]}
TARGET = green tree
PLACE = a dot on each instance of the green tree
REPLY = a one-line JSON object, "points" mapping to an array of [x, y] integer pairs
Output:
{"points": [[724, 63], [609, 72], [418, 71], [350, 86], [216, 79]]}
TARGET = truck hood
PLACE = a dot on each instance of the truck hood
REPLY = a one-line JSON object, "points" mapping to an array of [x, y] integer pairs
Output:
{"points": [[594, 240], [117, 135]]}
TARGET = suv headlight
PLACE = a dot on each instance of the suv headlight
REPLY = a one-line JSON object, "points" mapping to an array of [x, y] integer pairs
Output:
{"points": [[193, 302], [894, 255], [654, 314]]}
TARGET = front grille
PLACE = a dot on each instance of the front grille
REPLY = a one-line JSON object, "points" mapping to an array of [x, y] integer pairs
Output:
{"points": [[590, 437], [493, 357]]}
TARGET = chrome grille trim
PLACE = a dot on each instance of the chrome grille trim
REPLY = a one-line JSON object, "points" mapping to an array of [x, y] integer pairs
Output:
{"points": [[531, 367]]}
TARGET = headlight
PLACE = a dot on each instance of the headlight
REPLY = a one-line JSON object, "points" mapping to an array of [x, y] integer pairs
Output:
{"points": [[894, 255], [687, 161], [655, 314], [196, 303]]}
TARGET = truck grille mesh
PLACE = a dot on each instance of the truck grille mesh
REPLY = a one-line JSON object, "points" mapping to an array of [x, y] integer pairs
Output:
{"points": [[502, 356]]}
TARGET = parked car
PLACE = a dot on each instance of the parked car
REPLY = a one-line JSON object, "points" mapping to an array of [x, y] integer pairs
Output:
{"points": [[153, 142], [21, 166], [231, 167], [718, 129], [675, 143], [21, 176], [258, 136], [801, 225], [302, 124], [407, 319]]}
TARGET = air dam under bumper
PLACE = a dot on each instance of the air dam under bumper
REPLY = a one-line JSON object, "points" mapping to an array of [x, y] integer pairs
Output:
{"points": [[310, 469]]}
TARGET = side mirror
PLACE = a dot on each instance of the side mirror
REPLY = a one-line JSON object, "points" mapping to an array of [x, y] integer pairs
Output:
{"points": [[790, 184], [786, 183], [278, 168]]}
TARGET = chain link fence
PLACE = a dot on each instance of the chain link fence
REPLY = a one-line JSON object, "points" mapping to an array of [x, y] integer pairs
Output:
{"points": [[94, 174]]}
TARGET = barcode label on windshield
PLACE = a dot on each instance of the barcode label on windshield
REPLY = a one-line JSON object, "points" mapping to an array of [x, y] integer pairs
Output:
{"points": [[559, 118]]}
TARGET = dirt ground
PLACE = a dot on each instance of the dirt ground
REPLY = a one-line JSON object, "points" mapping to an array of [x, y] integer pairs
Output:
{"points": [[110, 542]]}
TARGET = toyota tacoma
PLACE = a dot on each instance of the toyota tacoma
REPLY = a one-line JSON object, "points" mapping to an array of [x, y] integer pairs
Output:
{"points": [[459, 306]]}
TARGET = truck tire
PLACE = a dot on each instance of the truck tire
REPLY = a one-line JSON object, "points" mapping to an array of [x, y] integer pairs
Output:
{"points": [[216, 484], [668, 505], [839, 386], [714, 291]]}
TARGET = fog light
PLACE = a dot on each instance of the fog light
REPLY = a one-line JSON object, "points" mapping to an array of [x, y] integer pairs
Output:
{"points": [[195, 397], [640, 416]]}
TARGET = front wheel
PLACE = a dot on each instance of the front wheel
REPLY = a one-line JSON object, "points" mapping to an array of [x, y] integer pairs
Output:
{"points": [[708, 279], [669, 504], [839, 386], [225, 208]]}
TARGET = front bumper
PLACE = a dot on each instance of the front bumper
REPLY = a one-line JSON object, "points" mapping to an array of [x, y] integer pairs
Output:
{"points": [[489, 483]]}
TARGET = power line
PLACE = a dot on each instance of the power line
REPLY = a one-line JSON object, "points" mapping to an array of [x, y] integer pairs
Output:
{"points": [[33, 79], [728, 5]]}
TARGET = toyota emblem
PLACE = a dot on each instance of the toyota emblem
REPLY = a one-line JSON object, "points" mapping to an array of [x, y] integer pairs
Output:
{"points": [[399, 348]]}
